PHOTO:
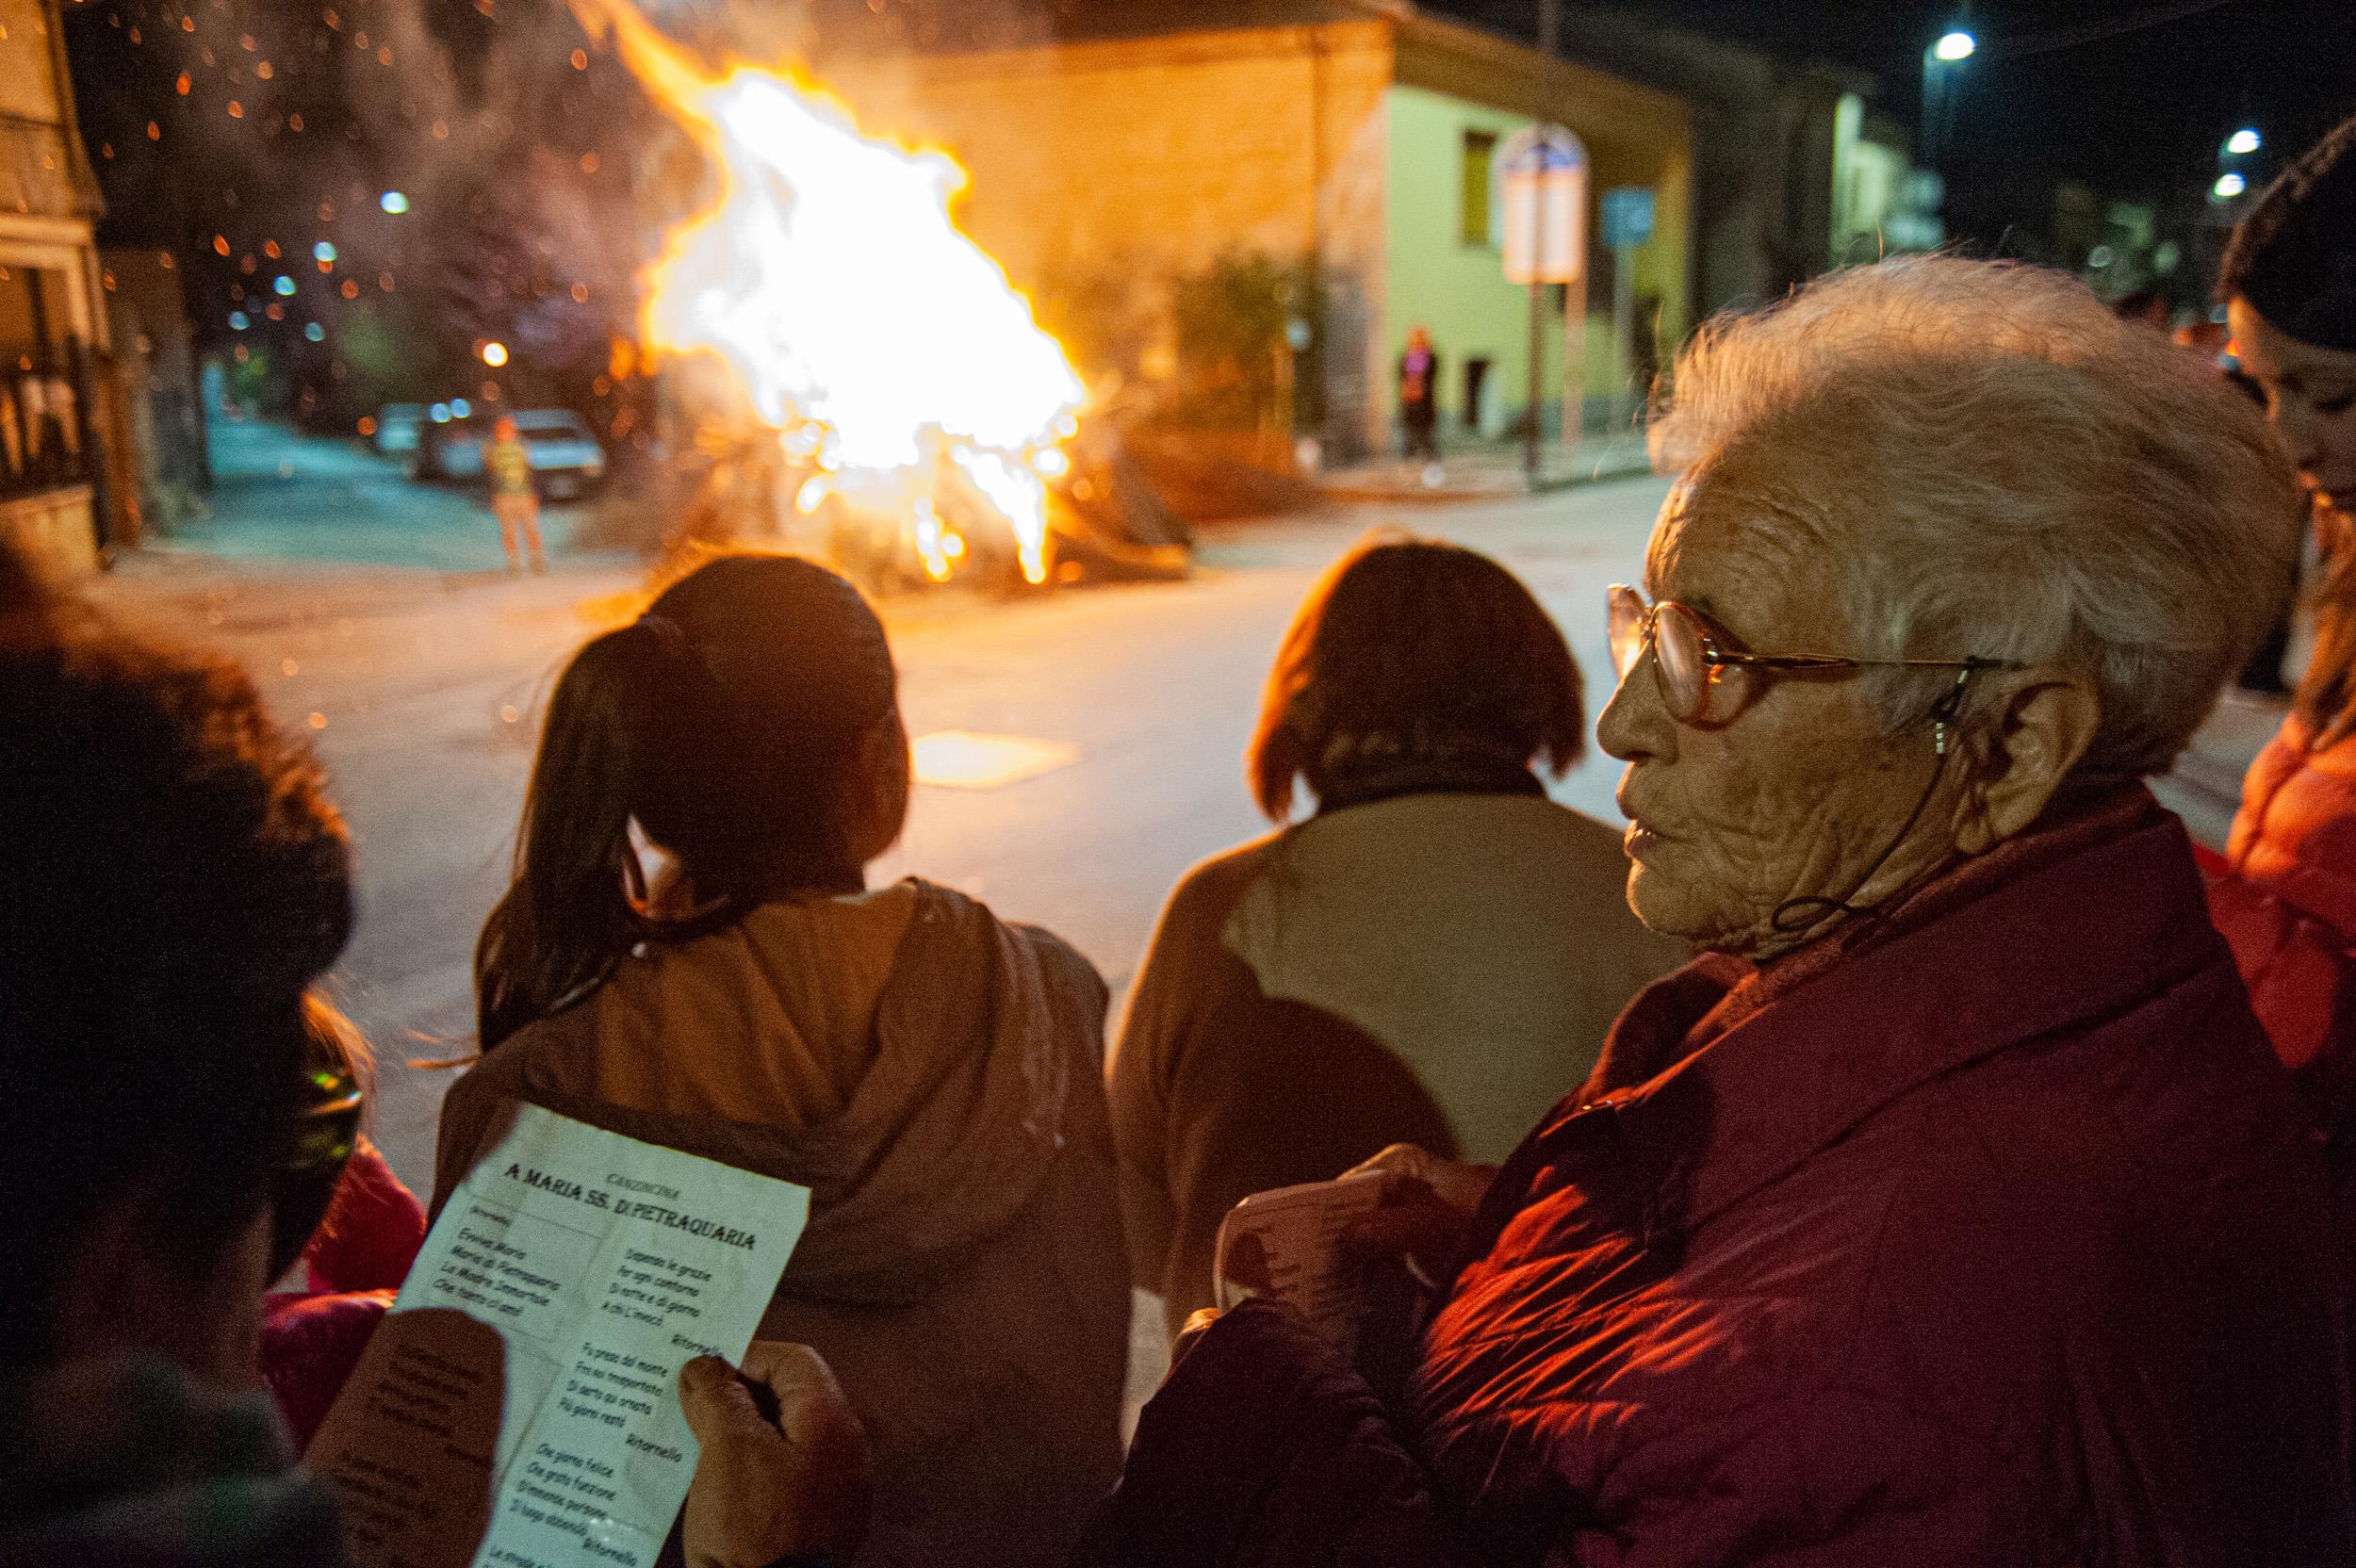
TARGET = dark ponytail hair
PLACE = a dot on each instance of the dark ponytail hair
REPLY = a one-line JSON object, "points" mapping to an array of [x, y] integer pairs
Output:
{"points": [[727, 723]]}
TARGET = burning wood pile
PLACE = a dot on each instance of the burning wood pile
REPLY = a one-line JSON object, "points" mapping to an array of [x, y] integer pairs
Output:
{"points": [[863, 382]]}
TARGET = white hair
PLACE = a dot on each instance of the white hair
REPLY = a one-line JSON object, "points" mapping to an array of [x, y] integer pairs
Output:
{"points": [[1989, 464]]}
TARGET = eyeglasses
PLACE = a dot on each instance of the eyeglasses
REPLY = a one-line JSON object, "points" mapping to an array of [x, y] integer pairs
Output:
{"points": [[302, 1183], [1702, 683]]}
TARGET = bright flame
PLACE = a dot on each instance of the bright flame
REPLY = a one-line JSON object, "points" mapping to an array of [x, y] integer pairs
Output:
{"points": [[831, 279]]}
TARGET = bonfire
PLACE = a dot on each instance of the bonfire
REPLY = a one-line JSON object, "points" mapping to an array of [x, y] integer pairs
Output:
{"points": [[906, 412]]}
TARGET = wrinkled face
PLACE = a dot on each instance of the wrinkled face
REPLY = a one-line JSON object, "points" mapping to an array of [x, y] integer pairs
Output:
{"points": [[2311, 397], [1799, 795]]}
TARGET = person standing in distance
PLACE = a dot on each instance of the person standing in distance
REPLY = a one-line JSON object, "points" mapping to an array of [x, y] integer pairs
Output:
{"points": [[507, 465], [1420, 397]]}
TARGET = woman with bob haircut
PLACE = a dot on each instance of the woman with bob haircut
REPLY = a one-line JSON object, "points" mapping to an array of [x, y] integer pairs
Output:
{"points": [[2289, 906], [933, 1074], [1951, 1208], [1432, 957]]}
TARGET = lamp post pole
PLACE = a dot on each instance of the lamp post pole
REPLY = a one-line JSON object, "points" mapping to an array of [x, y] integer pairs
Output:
{"points": [[1550, 43], [1940, 60], [1545, 242]]}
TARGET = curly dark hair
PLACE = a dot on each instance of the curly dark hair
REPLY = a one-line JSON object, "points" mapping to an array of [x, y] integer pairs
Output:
{"points": [[179, 882]]}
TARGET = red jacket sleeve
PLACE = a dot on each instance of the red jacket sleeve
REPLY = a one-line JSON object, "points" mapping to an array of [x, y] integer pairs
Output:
{"points": [[2301, 972], [372, 1229]]}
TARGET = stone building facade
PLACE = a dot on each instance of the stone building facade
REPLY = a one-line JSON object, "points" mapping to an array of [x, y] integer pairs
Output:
{"points": [[62, 462]]}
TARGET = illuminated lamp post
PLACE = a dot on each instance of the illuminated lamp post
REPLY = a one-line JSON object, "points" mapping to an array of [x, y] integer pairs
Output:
{"points": [[1941, 61], [2233, 170]]}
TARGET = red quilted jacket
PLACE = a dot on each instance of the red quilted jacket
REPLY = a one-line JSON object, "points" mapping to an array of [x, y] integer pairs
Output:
{"points": [[2285, 898], [1996, 1238]]}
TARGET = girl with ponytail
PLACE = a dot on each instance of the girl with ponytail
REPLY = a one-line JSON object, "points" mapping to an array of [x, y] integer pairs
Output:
{"points": [[933, 1074]]}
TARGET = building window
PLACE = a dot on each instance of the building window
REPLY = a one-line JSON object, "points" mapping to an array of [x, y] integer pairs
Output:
{"points": [[1481, 151], [42, 387], [1476, 382]]}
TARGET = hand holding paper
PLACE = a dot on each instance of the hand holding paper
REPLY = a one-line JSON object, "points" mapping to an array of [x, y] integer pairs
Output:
{"points": [[1288, 1244], [794, 1484], [1426, 1213], [521, 1405]]}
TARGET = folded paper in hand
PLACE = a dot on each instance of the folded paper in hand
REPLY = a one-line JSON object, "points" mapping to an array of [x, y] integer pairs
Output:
{"points": [[519, 1405], [1287, 1244]]}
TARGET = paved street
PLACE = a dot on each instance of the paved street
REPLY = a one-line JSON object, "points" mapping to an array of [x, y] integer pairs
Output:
{"points": [[423, 682], [279, 497]]}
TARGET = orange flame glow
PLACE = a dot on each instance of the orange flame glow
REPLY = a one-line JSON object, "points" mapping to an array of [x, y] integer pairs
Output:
{"points": [[858, 320]]}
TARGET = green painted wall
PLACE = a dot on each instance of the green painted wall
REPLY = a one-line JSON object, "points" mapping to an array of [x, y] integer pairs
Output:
{"points": [[1459, 291]]}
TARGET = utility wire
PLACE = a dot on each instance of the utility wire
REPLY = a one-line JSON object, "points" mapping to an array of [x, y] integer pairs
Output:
{"points": [[2069, 38]]}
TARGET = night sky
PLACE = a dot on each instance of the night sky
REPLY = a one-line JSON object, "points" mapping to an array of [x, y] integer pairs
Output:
{"points": [[2131, 97], [257, 141]]}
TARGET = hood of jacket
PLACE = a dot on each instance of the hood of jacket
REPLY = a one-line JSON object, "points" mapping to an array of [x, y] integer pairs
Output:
{"points": [[982, 1033]]}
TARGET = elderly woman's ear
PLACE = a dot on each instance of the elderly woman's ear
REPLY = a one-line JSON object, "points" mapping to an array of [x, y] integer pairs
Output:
{"points": [[2024, 744]]}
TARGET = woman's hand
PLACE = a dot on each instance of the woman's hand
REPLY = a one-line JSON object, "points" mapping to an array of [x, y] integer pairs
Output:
{"points": [[1426, 1216], [1408, 1254], [785, 1470]]}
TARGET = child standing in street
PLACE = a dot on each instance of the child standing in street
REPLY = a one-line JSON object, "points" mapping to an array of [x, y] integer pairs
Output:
{"points": [[507, 463]]}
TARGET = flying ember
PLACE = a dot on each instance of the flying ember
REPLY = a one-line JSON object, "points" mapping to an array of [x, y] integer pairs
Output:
{"points": [[900, 367]]}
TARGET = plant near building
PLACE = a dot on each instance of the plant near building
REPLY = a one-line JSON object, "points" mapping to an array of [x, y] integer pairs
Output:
{"points": [[1250, 331]]}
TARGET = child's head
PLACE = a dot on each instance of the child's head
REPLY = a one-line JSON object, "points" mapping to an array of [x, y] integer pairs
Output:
{"points": [[748, 725]]}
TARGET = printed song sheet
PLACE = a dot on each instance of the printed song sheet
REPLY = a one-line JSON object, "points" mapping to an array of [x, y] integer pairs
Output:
{"points": [[519, 1405], [1288, 1244]]}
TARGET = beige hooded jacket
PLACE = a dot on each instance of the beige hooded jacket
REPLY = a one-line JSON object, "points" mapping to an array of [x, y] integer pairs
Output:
{"points": [[934, 1075]]}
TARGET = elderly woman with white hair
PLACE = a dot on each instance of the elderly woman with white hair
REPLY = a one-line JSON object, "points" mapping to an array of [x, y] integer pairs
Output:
{"points": [[1950, 1206]]}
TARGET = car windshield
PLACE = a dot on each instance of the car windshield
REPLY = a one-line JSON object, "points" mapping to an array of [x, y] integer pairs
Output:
{"points": [[554, 425]]}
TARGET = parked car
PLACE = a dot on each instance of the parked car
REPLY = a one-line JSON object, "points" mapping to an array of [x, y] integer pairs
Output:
{"points": [[397, 427], [566, 457]]}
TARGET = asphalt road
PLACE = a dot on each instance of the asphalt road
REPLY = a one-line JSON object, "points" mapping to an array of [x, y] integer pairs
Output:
{"points": [[373, 613]]}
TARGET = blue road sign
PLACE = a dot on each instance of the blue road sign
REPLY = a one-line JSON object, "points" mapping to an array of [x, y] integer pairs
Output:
{"points": [[1627, 214]]}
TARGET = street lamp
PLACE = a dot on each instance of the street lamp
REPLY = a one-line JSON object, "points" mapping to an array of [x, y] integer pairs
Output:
{"points": [[1940, 60], [494, 354], [2229, 184], [2243, 142]]}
